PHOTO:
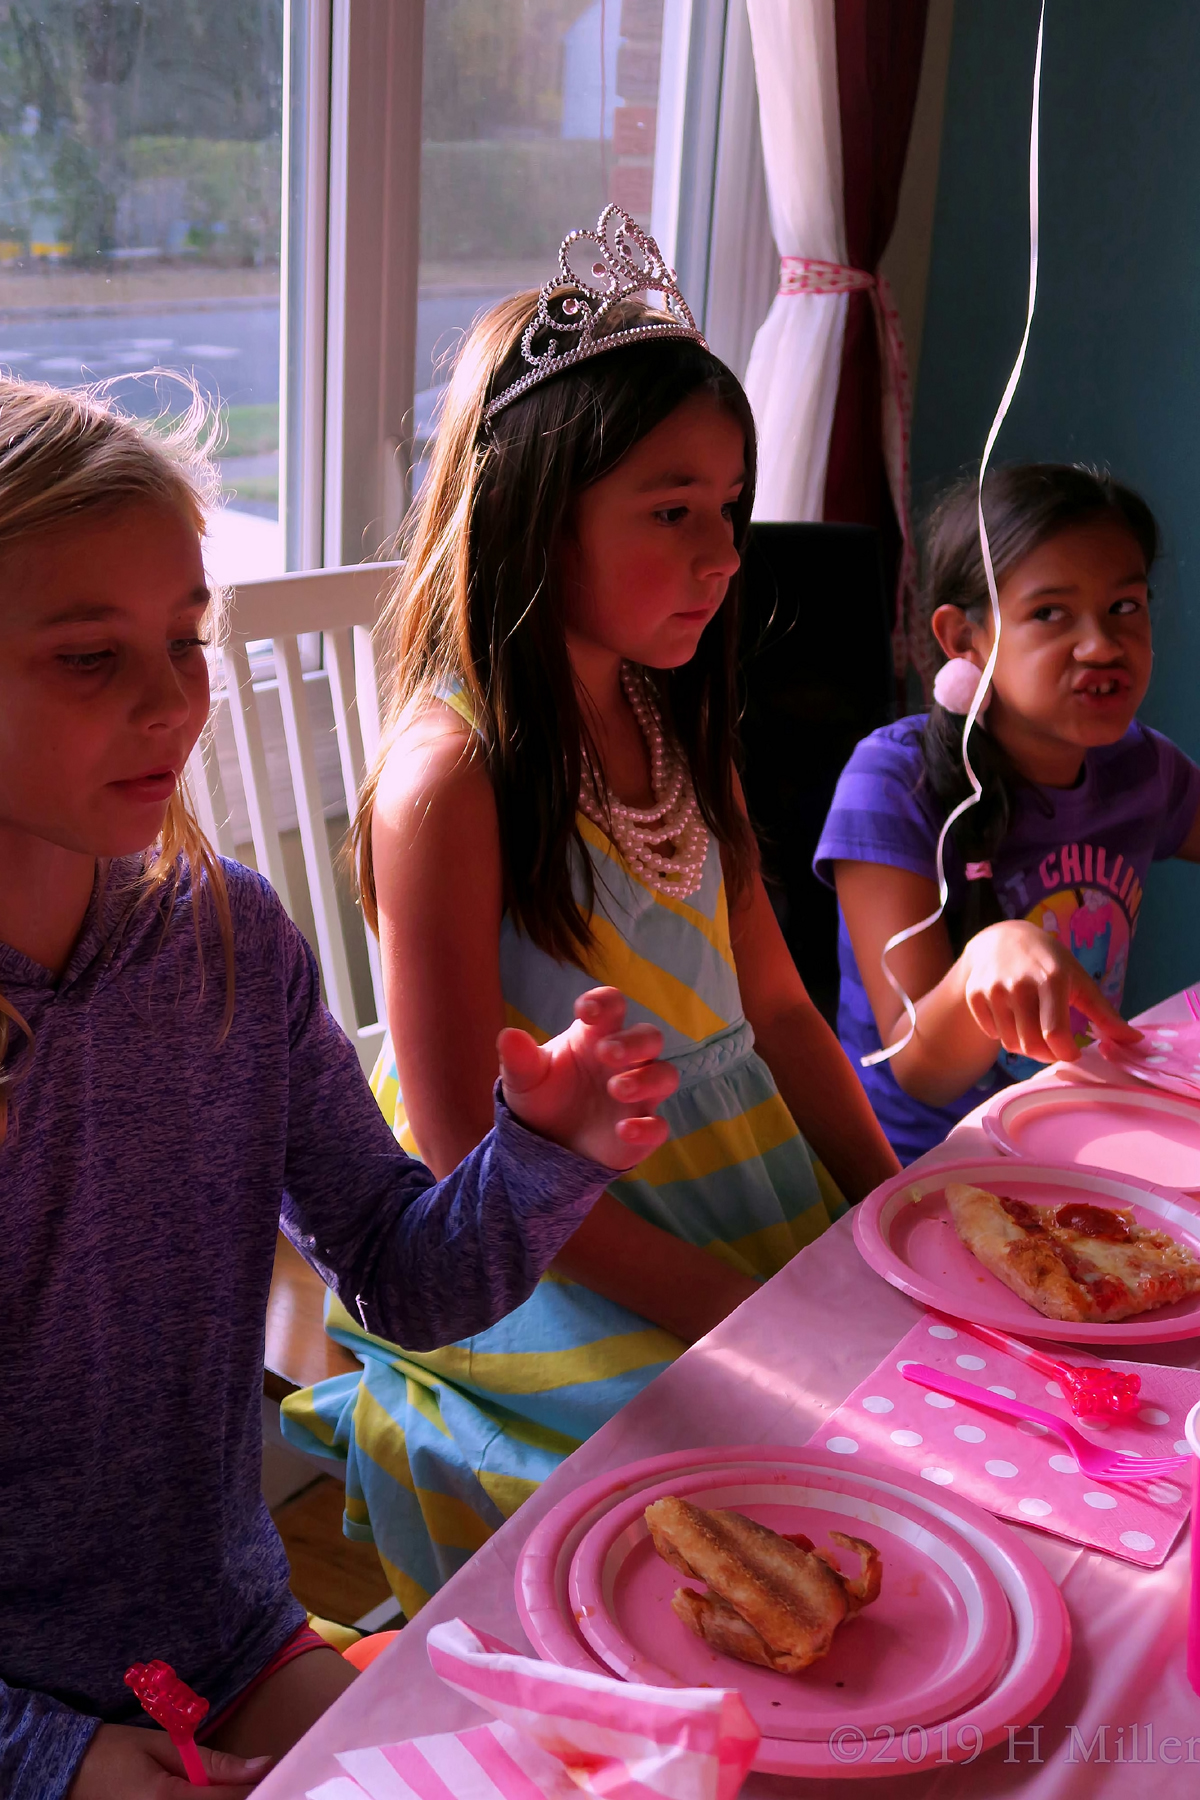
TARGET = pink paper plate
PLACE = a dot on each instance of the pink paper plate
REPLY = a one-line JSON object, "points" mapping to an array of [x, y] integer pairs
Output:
{"points": [[1127, 1130], [934, 1640], [1041, 1645], [543, 1600], [905, 1233]]}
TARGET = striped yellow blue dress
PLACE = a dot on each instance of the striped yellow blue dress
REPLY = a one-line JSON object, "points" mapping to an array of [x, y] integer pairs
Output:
{"points": [[441, 1447]]}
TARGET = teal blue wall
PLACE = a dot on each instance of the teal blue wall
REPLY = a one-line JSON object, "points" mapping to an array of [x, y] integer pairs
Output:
{"points": [[1113, 373]]}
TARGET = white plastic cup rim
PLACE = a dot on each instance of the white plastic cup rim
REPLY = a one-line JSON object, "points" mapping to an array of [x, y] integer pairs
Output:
{"points": [[1191, 1429]]}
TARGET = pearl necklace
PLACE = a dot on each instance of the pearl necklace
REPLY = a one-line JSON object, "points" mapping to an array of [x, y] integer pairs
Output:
{"points": [[665, 844]]}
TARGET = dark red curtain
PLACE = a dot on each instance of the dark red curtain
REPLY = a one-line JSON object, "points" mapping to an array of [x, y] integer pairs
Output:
{"points": [[879, 47]]}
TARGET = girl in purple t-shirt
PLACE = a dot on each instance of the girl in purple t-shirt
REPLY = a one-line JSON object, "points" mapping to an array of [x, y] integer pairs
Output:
{"points": [[1046, 873]]}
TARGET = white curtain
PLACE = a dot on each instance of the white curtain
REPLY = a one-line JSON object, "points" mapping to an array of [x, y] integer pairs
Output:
{"points": [[795, 365]]}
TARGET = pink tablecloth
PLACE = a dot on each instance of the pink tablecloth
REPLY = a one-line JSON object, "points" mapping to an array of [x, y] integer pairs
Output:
{"points": [[772, 1373]]}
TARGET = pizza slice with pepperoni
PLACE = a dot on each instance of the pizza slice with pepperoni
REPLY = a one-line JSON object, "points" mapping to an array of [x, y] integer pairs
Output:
{"points": [[1080, 1262]]}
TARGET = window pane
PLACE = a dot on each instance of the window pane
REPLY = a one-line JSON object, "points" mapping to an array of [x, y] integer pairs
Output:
{"points": [[534, 113], [140, 219]]}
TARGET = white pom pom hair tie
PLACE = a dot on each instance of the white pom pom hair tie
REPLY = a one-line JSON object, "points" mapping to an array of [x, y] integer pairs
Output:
{"points": [[956, 685], [979, 694]]}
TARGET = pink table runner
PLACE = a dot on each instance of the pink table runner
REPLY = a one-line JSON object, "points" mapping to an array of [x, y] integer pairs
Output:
{"points": [[1125, 1720], [1016, 1470]]}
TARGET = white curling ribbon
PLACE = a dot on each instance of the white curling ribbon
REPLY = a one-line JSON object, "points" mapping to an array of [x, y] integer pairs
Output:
{"points": [[981, 692]]}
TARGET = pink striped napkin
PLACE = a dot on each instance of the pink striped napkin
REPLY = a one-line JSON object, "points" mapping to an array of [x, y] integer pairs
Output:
{"points": [[1019, 1471], [557, 1731]]}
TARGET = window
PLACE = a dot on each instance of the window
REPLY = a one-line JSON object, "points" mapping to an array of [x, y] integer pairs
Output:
{"points": [[534, 114], [140, 150], [437, 152]]}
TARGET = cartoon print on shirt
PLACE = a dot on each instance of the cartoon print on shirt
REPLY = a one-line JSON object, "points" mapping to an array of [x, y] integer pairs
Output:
{"points": [[1092, 925]]}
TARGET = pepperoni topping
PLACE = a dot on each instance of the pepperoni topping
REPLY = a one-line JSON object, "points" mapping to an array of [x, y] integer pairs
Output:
{"points": [[1082, 1220], [798, 1538], [1094, 1222], [1022, 1214], [1105, 1291], [1108, 1292]]}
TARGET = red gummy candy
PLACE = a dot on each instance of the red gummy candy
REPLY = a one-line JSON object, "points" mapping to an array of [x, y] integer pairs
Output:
{"points": [[169, 1701], [1096, 1393]]}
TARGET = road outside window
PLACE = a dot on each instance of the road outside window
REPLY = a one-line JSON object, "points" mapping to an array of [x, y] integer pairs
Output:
{"points": [[140, 151]]}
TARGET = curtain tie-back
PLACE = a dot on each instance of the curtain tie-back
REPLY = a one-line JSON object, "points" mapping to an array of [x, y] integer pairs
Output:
{"points": [[809, 275], [800, 275]]}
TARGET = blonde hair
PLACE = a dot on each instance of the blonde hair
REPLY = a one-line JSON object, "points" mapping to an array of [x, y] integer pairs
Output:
{"points": [[67, 453]]}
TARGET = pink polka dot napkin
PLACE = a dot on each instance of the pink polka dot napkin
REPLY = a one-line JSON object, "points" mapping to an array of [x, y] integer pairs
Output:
{"points": [[1168, 1057], [1021, 1471]]}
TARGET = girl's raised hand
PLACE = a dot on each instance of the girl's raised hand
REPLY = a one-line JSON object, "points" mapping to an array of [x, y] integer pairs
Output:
{"points": [[125, 1762], [594, 1088], [1020, 985]]}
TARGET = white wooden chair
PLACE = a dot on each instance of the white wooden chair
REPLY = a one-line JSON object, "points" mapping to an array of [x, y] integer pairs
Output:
{"points": [[295, 723]]}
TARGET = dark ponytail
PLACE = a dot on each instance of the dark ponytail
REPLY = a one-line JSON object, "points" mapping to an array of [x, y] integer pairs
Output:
{"points": [[1025, 505]]}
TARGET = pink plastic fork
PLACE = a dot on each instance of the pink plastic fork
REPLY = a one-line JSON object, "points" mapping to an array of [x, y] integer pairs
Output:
{"points": [[1193, 1002], [1100, 1464], [1090, 1393]]}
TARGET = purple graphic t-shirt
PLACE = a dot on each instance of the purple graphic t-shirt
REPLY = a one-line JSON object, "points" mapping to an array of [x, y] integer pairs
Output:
{"points": [[1075, 862]]}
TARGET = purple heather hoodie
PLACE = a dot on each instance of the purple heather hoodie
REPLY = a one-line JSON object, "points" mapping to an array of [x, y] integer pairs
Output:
{"points": [[147, 1167]]}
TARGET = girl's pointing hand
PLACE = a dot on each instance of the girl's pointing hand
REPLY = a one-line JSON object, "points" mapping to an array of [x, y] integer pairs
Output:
{"points": [[1020, 986], [594, 1088]]}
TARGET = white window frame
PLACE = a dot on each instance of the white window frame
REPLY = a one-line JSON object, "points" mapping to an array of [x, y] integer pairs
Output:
{"points": [[303, 279], [351, 252], [348, 338]]}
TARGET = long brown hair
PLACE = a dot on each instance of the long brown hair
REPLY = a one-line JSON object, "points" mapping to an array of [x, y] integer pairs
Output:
{"points": [[478, 604], [67, 454], [1025, 505]]}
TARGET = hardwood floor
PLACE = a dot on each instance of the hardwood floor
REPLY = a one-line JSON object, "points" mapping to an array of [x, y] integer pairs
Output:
{"points": [[331, 1576], [298, 1353]]}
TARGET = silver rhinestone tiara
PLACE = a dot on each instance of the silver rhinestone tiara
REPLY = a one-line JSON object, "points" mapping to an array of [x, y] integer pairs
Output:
{"points": [[567, 326]]}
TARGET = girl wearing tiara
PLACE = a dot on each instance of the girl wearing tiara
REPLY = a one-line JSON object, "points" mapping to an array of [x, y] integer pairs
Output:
{"points": [[1046, 873], [555, 804]]}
